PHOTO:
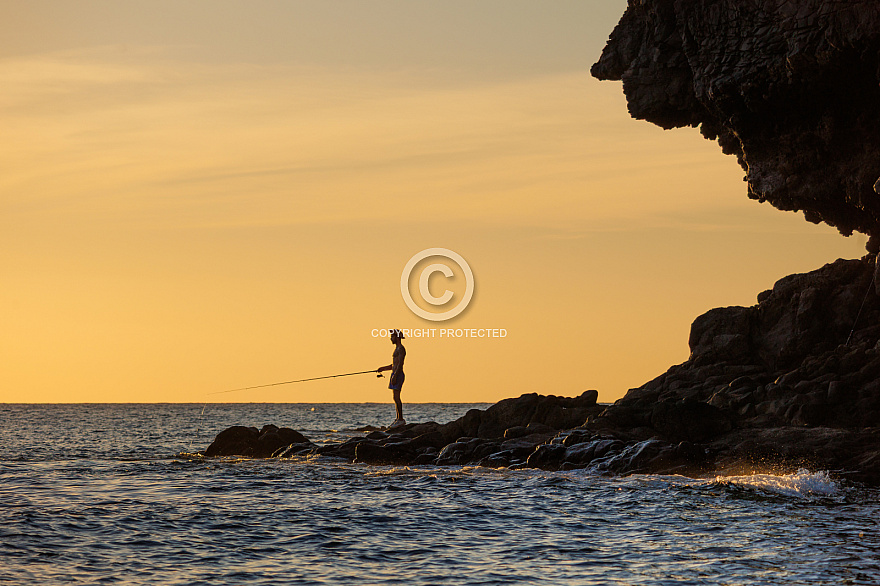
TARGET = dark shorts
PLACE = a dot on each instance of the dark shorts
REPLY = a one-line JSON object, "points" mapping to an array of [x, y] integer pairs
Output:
{"points": [[396, 382]]}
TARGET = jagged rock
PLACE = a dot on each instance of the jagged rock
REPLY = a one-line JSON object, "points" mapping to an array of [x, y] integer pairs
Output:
{"points": [[786, 347], [790, 88], [721, 334]]}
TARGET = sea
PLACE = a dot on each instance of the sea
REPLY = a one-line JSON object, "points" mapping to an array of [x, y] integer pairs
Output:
{"points": [[118, 494]]}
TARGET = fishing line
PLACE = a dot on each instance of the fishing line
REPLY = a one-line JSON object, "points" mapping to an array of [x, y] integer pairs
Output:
{"points": [[302, 380], [198, 426], [287, 382]]}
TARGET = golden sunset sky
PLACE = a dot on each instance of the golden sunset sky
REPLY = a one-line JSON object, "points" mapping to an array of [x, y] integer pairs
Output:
{"points": [[203, 195]]}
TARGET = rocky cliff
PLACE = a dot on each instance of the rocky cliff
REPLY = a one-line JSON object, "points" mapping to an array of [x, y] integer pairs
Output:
{"points": [[792, 88]]}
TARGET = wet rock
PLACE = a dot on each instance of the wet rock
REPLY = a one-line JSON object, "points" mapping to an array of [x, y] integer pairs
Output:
{"points": [[547, 457], [459, 452], [631, 458], [368, 428], [690, 452], [483, 449], [248, 441], [294, 450], [344, 450], [604, 447], [684, 458], [368, 452], [580, 454], [235, 440], [428, 456], [500, 459]]}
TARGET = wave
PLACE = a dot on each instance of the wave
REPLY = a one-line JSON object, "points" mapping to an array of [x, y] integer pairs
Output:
{"points": [[800, 484]]}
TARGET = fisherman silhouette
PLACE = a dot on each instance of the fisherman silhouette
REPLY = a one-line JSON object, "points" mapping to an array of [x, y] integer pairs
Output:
{"points": [[397, 376]]}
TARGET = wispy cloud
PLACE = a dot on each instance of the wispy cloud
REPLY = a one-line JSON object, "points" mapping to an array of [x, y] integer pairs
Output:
{"points": [[142, 138]]}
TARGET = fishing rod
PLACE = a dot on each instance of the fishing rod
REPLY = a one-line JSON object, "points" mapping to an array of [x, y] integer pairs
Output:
{"points": [[302, 380]]}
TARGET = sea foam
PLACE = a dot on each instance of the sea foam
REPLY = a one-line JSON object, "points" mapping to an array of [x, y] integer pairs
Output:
{"points": [[800, 484]]}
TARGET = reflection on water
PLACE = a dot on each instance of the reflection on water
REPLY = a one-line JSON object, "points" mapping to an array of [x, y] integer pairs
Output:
{"points": [[96, 493]]}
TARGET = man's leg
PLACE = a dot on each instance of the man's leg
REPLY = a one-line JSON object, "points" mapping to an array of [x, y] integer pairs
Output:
{"points": [[398, 404]]}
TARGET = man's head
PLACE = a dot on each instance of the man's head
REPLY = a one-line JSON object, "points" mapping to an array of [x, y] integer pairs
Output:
{"points": [[396, 336]]}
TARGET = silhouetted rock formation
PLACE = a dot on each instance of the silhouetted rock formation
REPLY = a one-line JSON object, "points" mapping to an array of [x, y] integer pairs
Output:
{"points": [[776, 382], [784, 361], [790, 88]]}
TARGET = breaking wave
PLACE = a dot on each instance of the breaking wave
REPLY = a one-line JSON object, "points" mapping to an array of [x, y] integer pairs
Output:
{"points": [[800, 484]]}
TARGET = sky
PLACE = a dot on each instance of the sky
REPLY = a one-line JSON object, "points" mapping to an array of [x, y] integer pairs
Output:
{"points": [[206, 195]]}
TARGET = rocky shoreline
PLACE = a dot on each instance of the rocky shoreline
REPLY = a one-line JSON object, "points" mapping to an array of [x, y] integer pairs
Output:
{"points": [[791, 382]]}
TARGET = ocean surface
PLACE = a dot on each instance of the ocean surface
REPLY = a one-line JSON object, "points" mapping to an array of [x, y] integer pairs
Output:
{"points": [[111, 494]]}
